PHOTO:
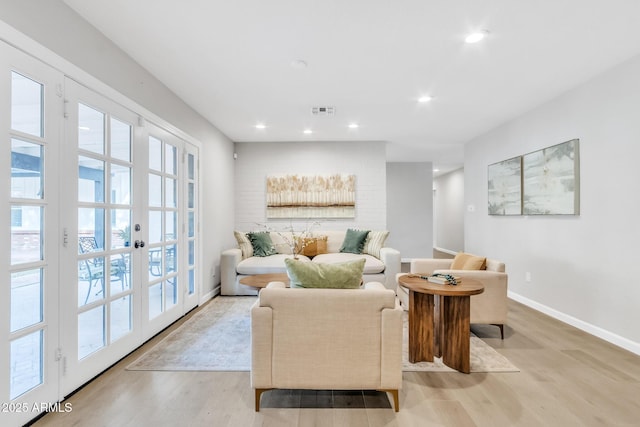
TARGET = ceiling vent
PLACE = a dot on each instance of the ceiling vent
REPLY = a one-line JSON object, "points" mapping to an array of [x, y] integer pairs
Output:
{"points": [[323, 111]]}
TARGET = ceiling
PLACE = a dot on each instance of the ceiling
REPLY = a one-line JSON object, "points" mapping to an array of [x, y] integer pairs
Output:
{"points": [[234, 63]]}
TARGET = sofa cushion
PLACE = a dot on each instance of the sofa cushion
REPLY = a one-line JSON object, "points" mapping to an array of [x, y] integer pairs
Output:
{"points": [[375, 242], [265, 265], [354, 241], [344, 275], [244, 244], [262, 243], [464, 261], [372, 264]]}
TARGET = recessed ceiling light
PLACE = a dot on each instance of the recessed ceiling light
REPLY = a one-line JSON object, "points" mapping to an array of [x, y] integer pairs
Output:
{"points": [[436, 170], [424, 98], [353, 126], [476, 37], [261, 126], [307, 131]]}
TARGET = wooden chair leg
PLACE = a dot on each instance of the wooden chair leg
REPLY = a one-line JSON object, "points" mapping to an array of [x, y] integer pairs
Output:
{"points": [[259, 392], [501, 326], [396, 398]]}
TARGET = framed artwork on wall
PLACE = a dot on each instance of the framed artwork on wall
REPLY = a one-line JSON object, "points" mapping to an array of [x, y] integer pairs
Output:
{"points": [[505, 187], [551, 180], [311, 196]]}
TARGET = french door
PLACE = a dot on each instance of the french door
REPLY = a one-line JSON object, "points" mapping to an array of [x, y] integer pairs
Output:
{"points": [[101, 319], [126, 262], [101, 211], [30, 124], [169, 235]]}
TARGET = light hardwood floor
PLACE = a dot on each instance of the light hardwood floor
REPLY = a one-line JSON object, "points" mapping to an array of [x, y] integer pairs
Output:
{"points": [[567, 378]]}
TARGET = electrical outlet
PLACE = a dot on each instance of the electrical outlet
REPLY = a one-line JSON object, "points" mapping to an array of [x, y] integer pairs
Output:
{"points": [[527, 277]]}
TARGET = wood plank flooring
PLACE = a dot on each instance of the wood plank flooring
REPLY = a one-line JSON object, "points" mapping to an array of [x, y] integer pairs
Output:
{"points": [[567, 378]]}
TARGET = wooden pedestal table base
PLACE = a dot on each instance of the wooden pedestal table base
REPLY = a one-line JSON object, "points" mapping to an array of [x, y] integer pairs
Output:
{"points": [[439, 321]]}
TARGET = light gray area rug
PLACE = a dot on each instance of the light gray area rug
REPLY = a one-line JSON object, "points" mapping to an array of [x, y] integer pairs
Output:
{"points": [[218, 338]]}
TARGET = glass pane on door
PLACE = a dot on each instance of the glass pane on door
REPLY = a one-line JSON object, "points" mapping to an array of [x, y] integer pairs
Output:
{"points": [[27, 106], [27, 161], [26, 233], [26, 363], [26, 298], [90, 129]]}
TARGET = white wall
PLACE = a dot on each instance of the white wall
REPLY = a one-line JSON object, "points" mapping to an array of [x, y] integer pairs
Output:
{"points": [[366, 160], [70, 44], [449, 211], [410, 208], [584, 269]]}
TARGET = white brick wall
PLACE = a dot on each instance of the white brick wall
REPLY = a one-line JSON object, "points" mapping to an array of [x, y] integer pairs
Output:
{"points": [[366, 160]]}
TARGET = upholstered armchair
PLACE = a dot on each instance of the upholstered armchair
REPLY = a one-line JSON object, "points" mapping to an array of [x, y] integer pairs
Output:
{"points": [[489, 307], [326, 339]]}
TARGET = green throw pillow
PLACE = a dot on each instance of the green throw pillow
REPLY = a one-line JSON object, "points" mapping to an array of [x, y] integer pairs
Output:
{"points": [[262, 244], [346, 275], [354, 241]]}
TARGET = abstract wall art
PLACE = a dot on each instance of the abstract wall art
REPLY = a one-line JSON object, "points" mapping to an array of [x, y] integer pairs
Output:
{"points": [[311, 196], [505, 187], [551, 180]]}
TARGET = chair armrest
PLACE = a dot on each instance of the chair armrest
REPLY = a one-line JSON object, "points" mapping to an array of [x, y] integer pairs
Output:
{"points": [[392, 263], [491, 305], [229, 260], [261, 345], [391, 340], [429, 265]]}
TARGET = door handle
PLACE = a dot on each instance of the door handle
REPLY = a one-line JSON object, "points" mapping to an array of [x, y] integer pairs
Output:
{"points": [[138, 244]]}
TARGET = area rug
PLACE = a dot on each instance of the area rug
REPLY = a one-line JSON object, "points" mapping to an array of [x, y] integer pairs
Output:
{"points": [[218, 338]]}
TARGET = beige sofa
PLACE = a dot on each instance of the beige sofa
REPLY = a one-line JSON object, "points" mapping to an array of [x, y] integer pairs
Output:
{"points": [[326, 339], [233, 266], [489, 307]]}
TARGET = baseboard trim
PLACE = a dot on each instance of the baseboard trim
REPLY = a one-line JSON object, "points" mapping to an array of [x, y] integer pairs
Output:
{"points": [[206, 297], [608, 336]]}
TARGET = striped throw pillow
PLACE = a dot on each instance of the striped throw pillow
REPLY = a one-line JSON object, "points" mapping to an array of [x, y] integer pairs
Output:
{"points": [[244, 244], [375, 242]]}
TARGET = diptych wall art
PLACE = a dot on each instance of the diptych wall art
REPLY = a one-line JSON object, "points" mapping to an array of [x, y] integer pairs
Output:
{"points": [[505, 187], [551, 180], [311, 196], [544, 182]]}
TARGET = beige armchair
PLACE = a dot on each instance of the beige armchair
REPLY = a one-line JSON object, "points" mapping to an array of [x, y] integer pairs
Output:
{"points": [[326, 339], [489, 307]]}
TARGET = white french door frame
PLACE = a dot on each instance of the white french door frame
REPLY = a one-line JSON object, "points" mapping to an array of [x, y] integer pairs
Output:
{"points": [[79, 368], [60, 247], [27, 405]]}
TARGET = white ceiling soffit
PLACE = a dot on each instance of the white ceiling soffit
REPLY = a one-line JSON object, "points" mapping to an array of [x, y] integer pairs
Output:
{"points": [[252, 62]]}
